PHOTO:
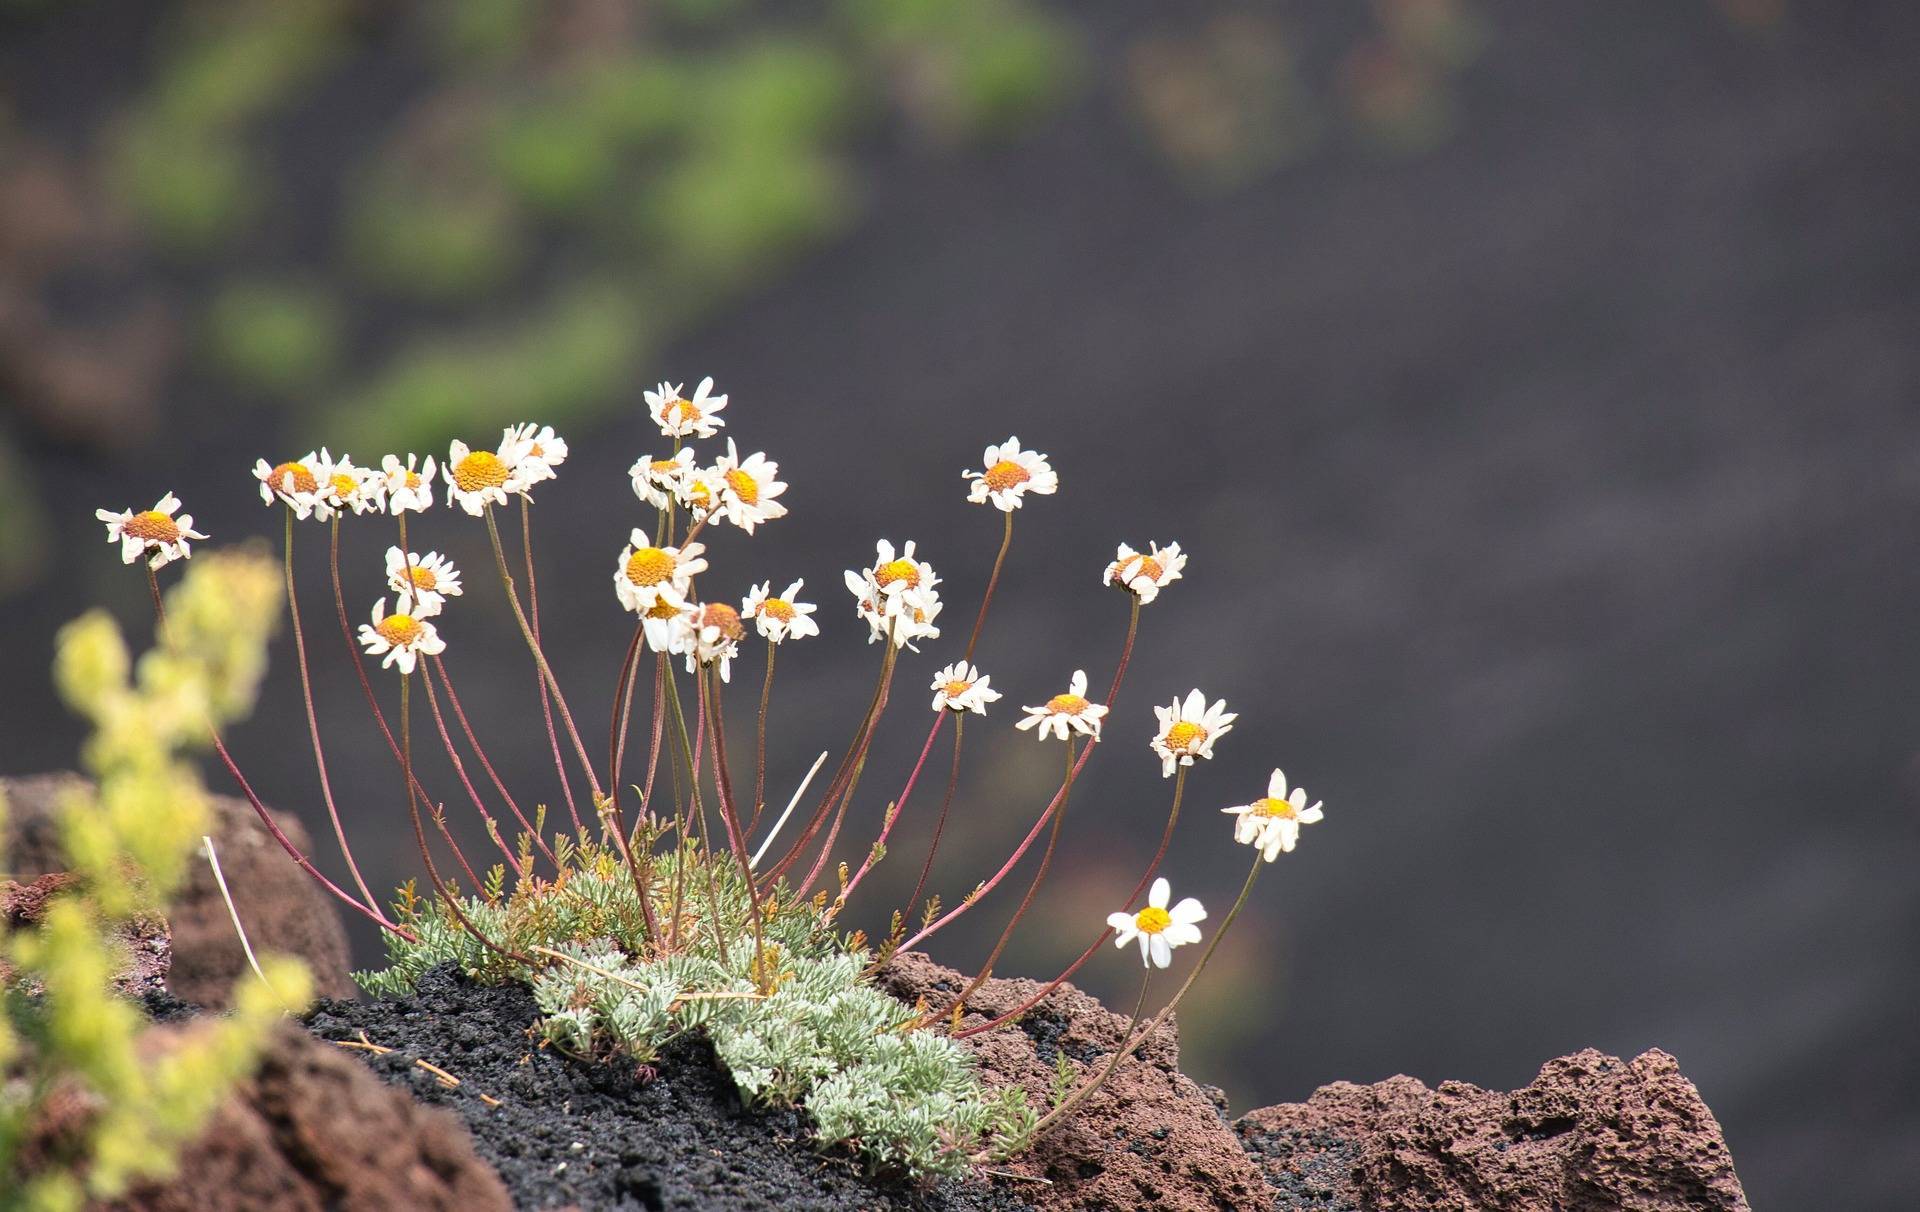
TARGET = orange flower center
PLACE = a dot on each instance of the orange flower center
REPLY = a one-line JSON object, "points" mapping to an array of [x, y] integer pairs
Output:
{"points": [[664, 467], [153, 527], [662, 609], [778, 608], [954, 690], [1151, 920], [650, 566], [688, 410], [1006, 474], [1149, 567], [343, 485], [744, 486], [480, 469], [1067, 704], [400, 630], [422, 577], [724, 617], [303, 480], [898, 570], [1184, 735], [699, 495], [413, 479], [1269, 806]]}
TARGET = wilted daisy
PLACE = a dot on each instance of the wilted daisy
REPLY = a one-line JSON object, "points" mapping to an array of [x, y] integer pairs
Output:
{"points": [[701, 490], [407, 489], [780, 618], [1067, 713], [962, 687], [1188, 729], [1143, 573], [1272, 823], [658, 481], [749, 486], [347, 487], [297, 483], [402, 637], [478, 478], [678, 416], [709, 633], [1159, 928], [423, 583], [1009, 474], [533, 452], [154, 532], [649, 575], [897, 596]]}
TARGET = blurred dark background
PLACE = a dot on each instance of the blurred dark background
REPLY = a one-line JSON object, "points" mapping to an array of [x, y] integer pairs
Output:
{"points": [[1534, 387]]}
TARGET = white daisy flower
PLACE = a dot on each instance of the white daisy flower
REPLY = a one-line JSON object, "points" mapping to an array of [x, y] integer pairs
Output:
{"points": [[347, 487], [660, 623], [407, 489], [402, 637], [1188, 730], [749, 486], [701, 491], [658, 481], [678, 416], [897, 596], [649, 575], [297, 483], [155, 532], [1066, 713], [962, 687], [708, 633], [781, 618], [423, 583], [1159, 928], [1143, 573], [1272, 823], [478, 478], [533, 452], [1009, 474]]}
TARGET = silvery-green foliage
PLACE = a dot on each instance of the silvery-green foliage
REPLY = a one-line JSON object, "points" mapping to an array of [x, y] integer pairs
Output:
{"points": [[824, 1039]]}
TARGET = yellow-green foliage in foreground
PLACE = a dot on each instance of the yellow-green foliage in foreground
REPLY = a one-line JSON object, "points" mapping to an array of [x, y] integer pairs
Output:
{"points": [[67, 1040]]}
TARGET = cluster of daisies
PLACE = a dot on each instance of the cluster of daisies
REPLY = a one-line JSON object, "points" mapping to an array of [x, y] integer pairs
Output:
{"points": [[655, 578]]}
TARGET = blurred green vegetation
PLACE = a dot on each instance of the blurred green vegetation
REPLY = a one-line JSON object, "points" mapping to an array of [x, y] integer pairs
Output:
{"points": [[555, 200]]}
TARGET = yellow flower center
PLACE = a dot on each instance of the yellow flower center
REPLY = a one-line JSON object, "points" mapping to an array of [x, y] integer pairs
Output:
{"points": [[1184, 735], [1151, 920], [1067, 704], [303, 480], [664, 467], [413, 479], [688, 410], [153, 527], [400, 630], [778, 608], [662, 609], [1006, 474], [724, 617], [699, 495], [536, 452], [343, 485], [898, 570], [744, 486], [480, 469], [422, 577], [650, 566], [954, 690], [1269, 806]]}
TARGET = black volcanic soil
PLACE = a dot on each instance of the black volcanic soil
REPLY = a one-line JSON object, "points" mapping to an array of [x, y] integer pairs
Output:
{"points": [[604, 1136]]}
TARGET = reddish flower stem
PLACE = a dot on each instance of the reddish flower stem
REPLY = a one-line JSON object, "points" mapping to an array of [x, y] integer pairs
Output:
{"points": [[453, 701], [760, 743], [893, 817], [979, 620], [729, 812], [460, 769], [940, 825], [546, 702]]}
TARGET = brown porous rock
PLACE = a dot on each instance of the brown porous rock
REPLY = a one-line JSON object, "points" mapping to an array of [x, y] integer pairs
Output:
{"points": [[1150, 1138], [1592, 1133], [144, 939], [316, 1131], [282, 909]]}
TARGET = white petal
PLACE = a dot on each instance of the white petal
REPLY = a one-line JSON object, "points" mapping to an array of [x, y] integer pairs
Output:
{"points": [[1162, 952], [1157, 896]]}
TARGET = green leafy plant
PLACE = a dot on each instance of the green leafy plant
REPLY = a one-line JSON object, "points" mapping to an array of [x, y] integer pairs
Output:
{"points": [[91, 1098]]}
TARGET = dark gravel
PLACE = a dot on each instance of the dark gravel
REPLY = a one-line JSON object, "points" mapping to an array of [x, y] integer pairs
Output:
{"points": [[608, 1136]]}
